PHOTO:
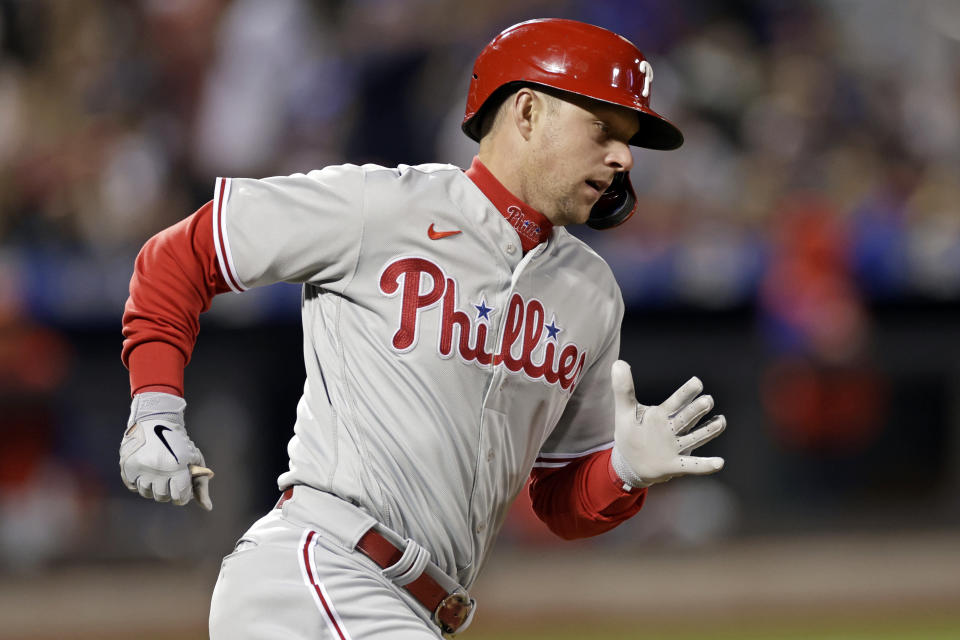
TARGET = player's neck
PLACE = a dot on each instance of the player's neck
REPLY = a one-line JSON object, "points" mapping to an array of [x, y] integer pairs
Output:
{"points": [[501, 166], [532, 227]]}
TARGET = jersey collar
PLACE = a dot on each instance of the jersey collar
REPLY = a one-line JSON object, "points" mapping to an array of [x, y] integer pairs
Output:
{"points": [[531, 225]]}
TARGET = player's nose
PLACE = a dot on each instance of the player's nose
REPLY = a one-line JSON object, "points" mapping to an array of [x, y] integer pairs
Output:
{"points": [[619, 156]]}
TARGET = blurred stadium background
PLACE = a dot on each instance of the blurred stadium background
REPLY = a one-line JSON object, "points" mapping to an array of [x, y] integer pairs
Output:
{"points": [[800, 253]]}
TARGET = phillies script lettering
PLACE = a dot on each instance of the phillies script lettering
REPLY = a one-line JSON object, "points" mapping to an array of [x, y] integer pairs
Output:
{"points": [[423, 285]]}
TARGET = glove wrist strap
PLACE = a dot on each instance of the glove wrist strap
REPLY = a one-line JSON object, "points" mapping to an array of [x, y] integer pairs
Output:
{"points": [[625, 471], [157, 405]]}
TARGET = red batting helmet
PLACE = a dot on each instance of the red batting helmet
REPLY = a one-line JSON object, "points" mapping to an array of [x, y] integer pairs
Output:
{"points": [[582, 59], [570, 56]]}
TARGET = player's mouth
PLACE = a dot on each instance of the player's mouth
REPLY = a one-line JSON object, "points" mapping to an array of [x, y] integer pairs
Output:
{"points": [[597, 186]]}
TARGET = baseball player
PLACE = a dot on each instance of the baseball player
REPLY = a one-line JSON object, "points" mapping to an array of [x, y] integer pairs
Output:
{"points": [[457, 339]]}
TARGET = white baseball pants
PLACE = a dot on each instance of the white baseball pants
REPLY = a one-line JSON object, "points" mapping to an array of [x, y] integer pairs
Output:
{"points": [[291, 579]]}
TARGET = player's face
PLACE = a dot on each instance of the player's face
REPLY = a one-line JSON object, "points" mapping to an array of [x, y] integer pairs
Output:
{"points": [[582, 144]]}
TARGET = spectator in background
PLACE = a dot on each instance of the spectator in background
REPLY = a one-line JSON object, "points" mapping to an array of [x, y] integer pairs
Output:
{"points": [[45, 498], [821, 391]]}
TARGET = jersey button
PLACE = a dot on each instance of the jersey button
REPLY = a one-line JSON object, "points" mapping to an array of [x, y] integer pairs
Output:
{"points": [[481, 527], [490, 455], [511, 248]]}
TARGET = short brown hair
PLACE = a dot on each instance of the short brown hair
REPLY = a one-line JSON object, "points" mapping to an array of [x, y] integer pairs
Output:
{"points": [[493, 107]]}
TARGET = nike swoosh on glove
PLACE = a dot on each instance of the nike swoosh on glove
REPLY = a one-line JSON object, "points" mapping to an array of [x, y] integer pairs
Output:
{"points": [[651, 444], [157, 456]]}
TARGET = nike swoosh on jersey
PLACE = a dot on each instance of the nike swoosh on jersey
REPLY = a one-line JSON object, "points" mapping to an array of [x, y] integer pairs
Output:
{"points": [[159, 429], [436, 235]]}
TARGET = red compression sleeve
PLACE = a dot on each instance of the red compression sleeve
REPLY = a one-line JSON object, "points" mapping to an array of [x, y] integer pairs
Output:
{"points": [[583, 498], [175, 278]]}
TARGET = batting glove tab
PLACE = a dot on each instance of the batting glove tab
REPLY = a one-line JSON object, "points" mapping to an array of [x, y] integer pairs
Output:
{"points": [[157, 458], [652, 444]]}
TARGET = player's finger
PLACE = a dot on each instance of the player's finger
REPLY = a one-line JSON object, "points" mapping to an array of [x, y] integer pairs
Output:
{"points": [[132, 486], [682, 396], [181, 488], [161, 489], [144, 488], [621, 379], [691, 414], [703, 435], [694, 465]]}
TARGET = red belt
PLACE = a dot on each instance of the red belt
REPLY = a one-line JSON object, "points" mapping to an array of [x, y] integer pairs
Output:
{"points": [[450, 610]]}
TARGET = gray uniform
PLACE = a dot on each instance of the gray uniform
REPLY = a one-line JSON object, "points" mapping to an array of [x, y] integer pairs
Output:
{"points": [[442, 363]]}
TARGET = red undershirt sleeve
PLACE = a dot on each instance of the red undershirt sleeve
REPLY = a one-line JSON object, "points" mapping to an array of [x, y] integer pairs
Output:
{"points": [[175, 278], [583, 498]]}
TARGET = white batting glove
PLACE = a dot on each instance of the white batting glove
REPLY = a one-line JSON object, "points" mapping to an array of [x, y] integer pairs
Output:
{"points": [[649, 445], [157, 458]]}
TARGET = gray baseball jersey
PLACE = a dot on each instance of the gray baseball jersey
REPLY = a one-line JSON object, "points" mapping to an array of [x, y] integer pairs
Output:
{"points": [[442, 363]]}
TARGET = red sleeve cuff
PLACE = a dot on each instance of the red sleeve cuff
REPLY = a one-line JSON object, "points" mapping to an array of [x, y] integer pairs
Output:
{"points": [[156, 366], [612, 493], [583, 498]]}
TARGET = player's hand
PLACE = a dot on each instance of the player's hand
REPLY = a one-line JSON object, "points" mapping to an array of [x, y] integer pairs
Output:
{"points": [[652, 444], [157, 458]]}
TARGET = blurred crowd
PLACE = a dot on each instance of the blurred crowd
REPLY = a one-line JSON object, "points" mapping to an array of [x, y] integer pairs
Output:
{"points": [[819, 175]]}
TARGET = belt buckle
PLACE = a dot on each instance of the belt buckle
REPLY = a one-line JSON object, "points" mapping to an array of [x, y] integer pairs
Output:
{"points": [[453, 611]]}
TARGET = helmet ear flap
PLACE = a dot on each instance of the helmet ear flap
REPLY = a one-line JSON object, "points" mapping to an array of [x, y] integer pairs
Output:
{"points": [[615, 205]]}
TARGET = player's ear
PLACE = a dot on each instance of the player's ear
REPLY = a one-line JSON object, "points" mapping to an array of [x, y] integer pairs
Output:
{"points": [[525, 106]]}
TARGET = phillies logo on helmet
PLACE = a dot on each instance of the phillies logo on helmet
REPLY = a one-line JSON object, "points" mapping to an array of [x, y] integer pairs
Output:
{"points": [[527, 344]]}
